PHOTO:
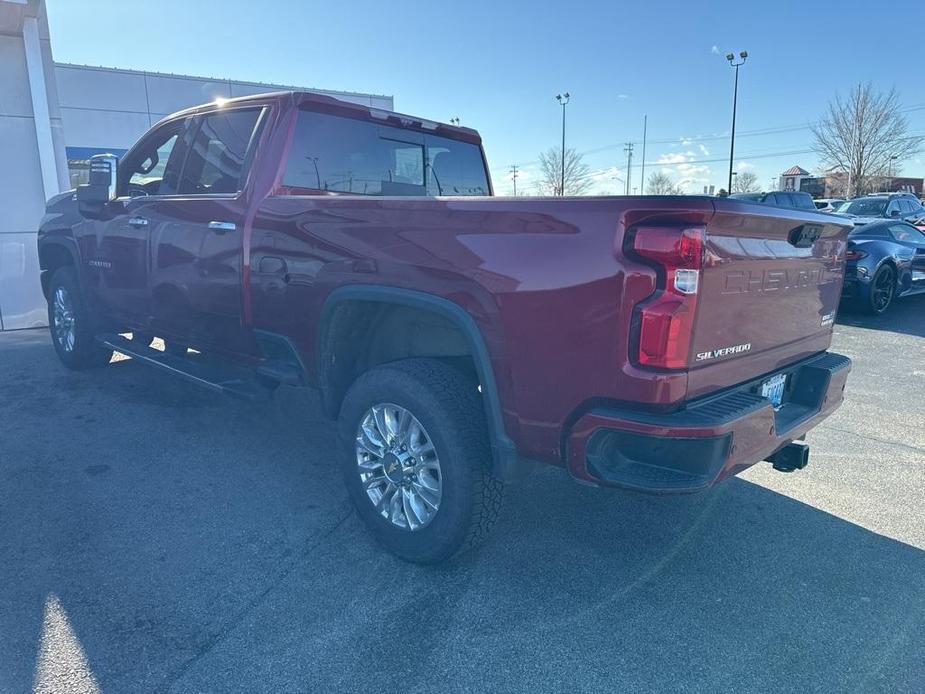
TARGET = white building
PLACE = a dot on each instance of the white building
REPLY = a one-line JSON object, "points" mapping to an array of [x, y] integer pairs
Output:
{"points": [[54, 116]]}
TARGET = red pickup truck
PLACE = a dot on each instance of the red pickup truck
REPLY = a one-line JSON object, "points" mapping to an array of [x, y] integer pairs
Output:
{"points": [[658, 344]]}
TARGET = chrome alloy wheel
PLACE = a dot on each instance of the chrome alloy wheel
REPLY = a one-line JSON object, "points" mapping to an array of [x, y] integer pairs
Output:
{"points": [[398, 466], [64, 321]]}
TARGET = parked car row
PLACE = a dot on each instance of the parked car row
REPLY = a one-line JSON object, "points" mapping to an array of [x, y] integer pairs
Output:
{"points": [[866, 209], [885, 260], [886, 249]]}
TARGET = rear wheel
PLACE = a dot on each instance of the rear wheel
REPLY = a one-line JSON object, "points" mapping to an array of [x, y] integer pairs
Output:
{"points": [[414, 454], [882, 290], [72, 324]]}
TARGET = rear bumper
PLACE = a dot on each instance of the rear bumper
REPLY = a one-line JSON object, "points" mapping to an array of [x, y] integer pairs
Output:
{"points": [[710, 439], [857, 282]]}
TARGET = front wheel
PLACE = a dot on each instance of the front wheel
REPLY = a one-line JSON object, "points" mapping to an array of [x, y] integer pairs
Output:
{"points": [[414, 454], [72, 324]]}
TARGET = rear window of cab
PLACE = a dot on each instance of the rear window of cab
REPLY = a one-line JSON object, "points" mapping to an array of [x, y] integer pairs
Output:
{"points": [[337, 154]]}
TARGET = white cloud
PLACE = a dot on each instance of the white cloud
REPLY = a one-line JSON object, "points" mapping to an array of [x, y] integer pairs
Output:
{"points": [[715, 50], [744, 166], [692, 177], [623, 96], [609, 181], [704, 150]]}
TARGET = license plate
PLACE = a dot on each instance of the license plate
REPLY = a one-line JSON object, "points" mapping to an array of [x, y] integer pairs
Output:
{"points": [[773, 389]]}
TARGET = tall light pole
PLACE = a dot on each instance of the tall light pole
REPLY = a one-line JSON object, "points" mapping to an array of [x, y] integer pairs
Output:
{"points": [[642, 177], [735, 97], [562, 99], [455, 121]]}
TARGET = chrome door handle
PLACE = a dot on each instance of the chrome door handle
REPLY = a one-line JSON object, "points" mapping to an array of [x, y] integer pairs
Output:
{"points": [[222, 226], [137, 221]]}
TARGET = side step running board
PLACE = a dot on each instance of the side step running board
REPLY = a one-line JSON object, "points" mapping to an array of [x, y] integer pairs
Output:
{"points": [[210, 376]]}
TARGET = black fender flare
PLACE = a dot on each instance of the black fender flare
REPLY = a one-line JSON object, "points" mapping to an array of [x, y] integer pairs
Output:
{"points": [[70, 247], [504, 452]]}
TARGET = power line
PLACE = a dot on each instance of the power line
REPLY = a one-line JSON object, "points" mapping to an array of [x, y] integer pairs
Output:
{"points": [[771, 130]]}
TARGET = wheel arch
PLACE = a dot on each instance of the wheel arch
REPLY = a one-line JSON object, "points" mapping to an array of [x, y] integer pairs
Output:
{"points": [[504, 452], [54, 254]]}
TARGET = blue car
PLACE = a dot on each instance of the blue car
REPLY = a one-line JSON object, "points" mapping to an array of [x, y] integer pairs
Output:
{"points": [[886, 260]]}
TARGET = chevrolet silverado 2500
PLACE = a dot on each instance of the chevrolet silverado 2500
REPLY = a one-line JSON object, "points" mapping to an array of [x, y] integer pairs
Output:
{"points": [[659, 344]]}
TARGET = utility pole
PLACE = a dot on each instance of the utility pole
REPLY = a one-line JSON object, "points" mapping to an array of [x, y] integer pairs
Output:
{"points": [[514, 177], [628, 148], [735, 97], [563, 99], [642, 178]]}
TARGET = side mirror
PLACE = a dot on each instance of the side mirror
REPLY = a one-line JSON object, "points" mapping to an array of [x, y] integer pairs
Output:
{"points": [[894, 213], [93, 197]]}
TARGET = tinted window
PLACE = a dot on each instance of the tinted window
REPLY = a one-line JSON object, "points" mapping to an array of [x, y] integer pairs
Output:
{"points": [[152, 168], [346, 155], [865, 207], [456, 168], [215, 163], [803, 201], [905, 232]]}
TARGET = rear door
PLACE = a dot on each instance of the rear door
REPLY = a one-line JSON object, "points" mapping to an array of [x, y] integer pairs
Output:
{"points": [[196, 256]]}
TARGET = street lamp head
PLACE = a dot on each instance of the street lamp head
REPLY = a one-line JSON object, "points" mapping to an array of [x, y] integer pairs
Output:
{"points": [[743, 55], [730, 57], [562, 98]]}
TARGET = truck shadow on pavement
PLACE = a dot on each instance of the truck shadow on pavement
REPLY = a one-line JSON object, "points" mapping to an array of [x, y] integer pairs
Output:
{"points": [[905, 315], [156, 538]]}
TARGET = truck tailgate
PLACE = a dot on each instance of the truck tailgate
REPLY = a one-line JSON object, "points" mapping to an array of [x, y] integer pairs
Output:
{"points": [[769, 291]]}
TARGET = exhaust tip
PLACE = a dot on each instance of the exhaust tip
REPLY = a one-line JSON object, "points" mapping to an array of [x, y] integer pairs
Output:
{"points": [[793, 456]]}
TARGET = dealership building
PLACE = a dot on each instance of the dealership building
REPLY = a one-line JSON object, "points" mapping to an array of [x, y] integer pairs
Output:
{"points": [[54, 116]]}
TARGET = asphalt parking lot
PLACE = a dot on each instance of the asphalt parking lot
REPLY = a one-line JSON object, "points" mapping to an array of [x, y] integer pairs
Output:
{"points": [[154, 537]]}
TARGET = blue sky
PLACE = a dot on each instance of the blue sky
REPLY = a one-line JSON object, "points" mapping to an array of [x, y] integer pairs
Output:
{"points": [[498, 66]]}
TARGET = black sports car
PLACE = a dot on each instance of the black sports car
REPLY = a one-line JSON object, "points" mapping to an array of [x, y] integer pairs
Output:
{"points": [[886, 260]]}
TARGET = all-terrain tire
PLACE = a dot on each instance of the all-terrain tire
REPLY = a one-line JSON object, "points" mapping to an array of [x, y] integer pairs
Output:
{"points": [[72, 323], [448, 405]]}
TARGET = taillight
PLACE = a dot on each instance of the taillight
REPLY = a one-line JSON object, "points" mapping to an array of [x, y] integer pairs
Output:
{"points": [[666, 322], [854, 254]]}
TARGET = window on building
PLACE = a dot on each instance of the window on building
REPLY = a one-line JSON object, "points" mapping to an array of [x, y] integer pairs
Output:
{"points": [[346, 155], [216, 160]]}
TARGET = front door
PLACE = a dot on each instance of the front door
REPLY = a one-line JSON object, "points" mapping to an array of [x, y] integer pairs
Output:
{"points": [[196, 253], [117, 247]]}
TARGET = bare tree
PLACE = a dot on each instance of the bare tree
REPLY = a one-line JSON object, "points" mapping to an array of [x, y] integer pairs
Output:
{"points": [[661, 184], [864, 135], [577, 179], [746, 182]]}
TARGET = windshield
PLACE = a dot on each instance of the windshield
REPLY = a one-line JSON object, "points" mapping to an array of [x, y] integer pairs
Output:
{"points": [[865, 207]]}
